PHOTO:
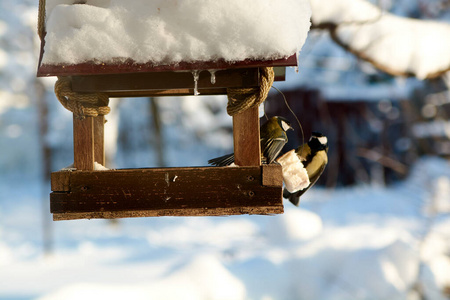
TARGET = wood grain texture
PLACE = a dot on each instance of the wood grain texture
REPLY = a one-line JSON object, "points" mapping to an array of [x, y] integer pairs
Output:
{"points": [[60, 181], [99, 139], [129, 66], [272, 175], [147, 88], [248, 77], [247, 148], [257, 210], [165, 191], [166, 93], [83, 143]]}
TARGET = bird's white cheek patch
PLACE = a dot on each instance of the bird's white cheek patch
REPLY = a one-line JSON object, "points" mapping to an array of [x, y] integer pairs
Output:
{"points": [[285, 126], [295, 176], [323, 140]]}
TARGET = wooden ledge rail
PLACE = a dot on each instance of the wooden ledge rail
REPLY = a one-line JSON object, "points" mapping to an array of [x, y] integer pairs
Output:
{"points": [[158, 84], [199, 191], [130, 66]]}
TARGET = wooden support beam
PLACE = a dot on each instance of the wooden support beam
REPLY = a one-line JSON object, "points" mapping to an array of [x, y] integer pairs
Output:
{"points": [[83, 143], [169, 83], [166, 93], [197, 191], [99, 140], [114, 83], [247, 148]]}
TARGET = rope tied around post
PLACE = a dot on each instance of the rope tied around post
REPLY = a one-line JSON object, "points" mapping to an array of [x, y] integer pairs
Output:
{"points": [[240, 99], [41, 20], [81, 104]]}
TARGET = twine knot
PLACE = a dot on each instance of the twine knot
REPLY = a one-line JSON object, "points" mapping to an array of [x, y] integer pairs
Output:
{"points": [[81, 104], [240, 99]]}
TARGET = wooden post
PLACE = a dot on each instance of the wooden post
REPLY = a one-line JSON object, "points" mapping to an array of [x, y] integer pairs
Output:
{"points": [[99, 140], [247, 148], [83, 143]]}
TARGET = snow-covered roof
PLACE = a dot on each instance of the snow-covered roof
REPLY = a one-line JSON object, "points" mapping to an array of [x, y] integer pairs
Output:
{"points": [[168, 32]]}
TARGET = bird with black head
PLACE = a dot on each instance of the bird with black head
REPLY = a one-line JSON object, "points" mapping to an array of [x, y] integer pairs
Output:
{"points": [[314, 156]]}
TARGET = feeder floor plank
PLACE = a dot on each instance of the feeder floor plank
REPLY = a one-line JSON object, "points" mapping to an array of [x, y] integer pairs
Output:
{"points": [[207, 191]]}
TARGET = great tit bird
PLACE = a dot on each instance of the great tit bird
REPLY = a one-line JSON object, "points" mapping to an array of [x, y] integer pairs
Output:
{"points": [[314, 158], [273, 138]]}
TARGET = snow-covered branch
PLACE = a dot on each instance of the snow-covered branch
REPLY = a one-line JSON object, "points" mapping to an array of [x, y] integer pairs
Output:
{"points": [[396, 45]]}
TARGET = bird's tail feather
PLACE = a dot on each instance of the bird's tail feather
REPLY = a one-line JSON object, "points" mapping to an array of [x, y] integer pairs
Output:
{"points": [[222, 161], [293, 197]]}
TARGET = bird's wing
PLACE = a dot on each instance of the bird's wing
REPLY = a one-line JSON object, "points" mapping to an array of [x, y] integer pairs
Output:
{"points": [[315, 168], [272, 147], [312, 179], [303, 153]]}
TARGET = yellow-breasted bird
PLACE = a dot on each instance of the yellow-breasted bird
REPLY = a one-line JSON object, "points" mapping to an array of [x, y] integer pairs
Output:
{"points": [[273, 138], [314, 158]]}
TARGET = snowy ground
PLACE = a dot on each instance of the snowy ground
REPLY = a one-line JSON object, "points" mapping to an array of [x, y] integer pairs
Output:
{"points": [[365, 242]]}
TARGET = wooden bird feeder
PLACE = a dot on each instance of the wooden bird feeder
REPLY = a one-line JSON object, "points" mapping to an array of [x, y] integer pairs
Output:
{"points": [[85, 193]]}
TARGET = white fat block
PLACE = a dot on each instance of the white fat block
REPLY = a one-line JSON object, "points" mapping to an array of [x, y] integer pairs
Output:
{"points": [[295, 176]]}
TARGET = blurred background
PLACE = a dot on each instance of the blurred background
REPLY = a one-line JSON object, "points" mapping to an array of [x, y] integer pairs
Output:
{"points": [[375, 226]]}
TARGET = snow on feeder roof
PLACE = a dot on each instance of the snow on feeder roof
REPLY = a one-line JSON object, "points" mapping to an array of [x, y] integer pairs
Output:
{"points": [[161, 33]]}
